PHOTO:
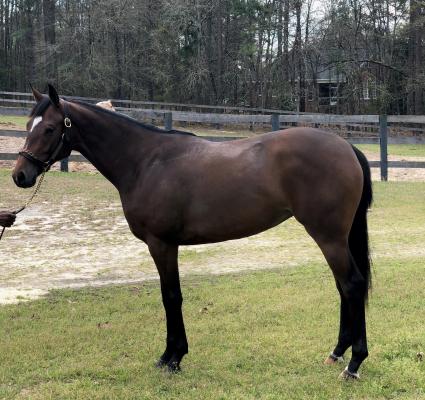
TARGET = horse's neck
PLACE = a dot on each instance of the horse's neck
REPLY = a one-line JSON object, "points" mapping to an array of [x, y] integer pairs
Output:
{"points": [[114, 147]]}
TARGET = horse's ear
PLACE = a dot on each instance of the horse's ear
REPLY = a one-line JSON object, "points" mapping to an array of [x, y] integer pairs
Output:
{"points": [[37, 95], [54, 98]]}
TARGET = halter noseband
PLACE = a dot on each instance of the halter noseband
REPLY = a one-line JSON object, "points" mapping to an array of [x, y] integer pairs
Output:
{"points": [[45, 165]]}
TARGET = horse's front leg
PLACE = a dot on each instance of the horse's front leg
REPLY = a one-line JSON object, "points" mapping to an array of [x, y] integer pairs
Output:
{"points": [[165, 257]]}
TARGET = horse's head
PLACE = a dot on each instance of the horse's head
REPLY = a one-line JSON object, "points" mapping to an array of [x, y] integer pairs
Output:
{"points": [[46, 142]]}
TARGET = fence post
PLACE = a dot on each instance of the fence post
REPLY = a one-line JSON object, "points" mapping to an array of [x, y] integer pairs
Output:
{"points": [[168, 121], [64, 165], [275, 122], [383, 143]]}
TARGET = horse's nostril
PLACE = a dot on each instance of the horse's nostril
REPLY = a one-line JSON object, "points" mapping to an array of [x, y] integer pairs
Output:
{"points": [[20, 178]]}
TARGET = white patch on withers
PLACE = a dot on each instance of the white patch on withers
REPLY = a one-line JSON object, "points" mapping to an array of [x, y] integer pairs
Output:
{"points": [[36, 121], [106, 104]]}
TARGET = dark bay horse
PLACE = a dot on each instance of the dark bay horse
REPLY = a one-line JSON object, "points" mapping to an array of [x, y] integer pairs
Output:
{"points": [[179, 189]]}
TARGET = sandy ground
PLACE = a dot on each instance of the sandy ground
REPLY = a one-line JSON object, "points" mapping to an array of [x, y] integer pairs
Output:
{"points": [[51, 248], [57, 246]]}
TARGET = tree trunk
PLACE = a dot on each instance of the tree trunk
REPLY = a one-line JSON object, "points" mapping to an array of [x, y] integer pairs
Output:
{"points": [[49, 21], [285, 59], [415, 99], [299, 58]]}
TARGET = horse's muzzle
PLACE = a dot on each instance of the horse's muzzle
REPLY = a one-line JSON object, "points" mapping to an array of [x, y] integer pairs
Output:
{"points": [[23, 180]]}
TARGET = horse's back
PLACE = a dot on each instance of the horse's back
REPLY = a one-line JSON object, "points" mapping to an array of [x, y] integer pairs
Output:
{"points": [[305, 156]]}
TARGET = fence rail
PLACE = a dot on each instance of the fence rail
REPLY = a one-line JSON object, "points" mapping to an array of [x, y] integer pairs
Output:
{"points": [[163, 107], [27, 98], [359, 129], [302, 118]]}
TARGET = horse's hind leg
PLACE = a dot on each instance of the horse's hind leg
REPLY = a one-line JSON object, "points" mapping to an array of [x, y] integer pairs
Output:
{"points": [[344, 337], [353, 289]]}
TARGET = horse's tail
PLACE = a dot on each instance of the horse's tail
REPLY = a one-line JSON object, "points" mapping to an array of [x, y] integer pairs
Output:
{"points": [[358, 239]]}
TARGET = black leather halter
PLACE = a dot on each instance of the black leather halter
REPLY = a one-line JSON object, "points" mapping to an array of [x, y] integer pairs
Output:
{"points": [[45, 165]]}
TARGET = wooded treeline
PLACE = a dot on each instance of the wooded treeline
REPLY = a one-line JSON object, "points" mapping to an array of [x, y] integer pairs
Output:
{"points": [[344, 56]]}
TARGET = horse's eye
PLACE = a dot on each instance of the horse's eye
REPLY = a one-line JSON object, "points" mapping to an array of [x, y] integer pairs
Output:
{"points": [[49, 130]]}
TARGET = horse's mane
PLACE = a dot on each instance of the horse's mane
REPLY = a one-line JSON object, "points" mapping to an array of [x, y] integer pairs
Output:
{"points": [[126, 118]]}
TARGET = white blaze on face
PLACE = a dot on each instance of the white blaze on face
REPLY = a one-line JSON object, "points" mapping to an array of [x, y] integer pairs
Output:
{"points": [[36, 121]]}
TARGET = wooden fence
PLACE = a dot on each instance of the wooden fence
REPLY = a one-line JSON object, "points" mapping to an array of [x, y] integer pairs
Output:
{"points": [[18, 102], [357, 129]]}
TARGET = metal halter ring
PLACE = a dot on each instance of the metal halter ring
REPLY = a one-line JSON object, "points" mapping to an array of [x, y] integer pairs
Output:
{"points": [[67, 122]]}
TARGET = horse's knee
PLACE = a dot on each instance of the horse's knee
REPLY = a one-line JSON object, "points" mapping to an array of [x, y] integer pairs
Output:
{"points": [[352, 284], [172, 298]]}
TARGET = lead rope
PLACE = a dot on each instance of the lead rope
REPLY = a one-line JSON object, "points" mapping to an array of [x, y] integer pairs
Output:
{"points": [[29, 201]]}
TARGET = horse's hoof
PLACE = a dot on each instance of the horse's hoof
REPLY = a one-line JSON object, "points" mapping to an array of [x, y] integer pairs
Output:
{"points": [[173, 367], [333, 359], [161, 363], [348, 376], [330, 361]]}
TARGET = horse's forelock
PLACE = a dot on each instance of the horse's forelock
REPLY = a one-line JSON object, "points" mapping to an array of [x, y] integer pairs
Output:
{"points": [[40, 107]]}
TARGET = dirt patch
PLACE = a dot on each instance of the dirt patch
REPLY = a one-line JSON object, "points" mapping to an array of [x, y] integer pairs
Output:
{"points": [[10, 144], [61, 246]]}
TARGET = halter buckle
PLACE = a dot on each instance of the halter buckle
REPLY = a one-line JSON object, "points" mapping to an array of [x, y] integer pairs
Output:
{"points": [[67, 122]]}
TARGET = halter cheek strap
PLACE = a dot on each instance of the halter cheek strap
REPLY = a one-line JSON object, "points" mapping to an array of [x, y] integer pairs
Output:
{"points": [[45, 165]]}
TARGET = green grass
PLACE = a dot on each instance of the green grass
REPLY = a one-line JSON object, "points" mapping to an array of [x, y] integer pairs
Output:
{"points": [[264, 334], [413, 150], [58, 187], [19, 121]]}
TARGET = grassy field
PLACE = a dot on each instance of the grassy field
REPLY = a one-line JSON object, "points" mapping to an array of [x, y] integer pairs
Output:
{"points": [[263, 336], [19, 121], [259, 335], [410, 150]]}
